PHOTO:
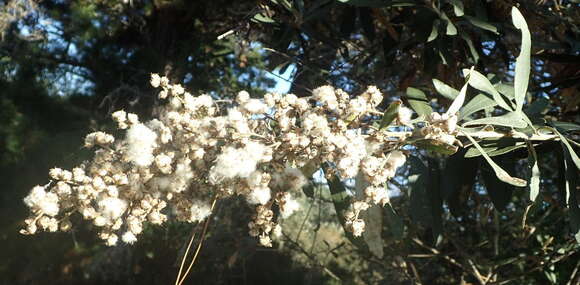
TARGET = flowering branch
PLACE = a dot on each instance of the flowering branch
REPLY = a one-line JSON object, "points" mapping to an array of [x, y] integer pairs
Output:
{"points": [[263, 150]]}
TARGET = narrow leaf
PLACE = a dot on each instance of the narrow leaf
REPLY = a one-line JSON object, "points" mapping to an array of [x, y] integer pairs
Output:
{"points": [[511, 119], [395, 224], [505, 89], [482, 24], [390, 114], [418, 101], [494, 151], [342, 200], [373, 220], [445, 90], [434, 31], [571, 184], [565, 143], [478, 103], [451, 30], [499, 172], [459, 100], [500, 193], [457, 181], [522, 69], [263, 18], [436, 146], [418, 199], [373, 228], [533, 172], [538, 106], [480, 82], [565, 126], [472, 49], [457, 7]]}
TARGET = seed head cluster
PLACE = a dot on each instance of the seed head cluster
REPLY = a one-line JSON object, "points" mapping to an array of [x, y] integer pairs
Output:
{"points": [[199, 149]]}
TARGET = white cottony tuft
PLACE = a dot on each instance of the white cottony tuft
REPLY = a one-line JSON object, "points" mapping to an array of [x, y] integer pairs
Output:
{"points": [[199, 211], [140, 145], [43, 201], [259, 196]]}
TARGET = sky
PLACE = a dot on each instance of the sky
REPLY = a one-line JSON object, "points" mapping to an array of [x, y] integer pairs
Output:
{"points": [[283, 81]]}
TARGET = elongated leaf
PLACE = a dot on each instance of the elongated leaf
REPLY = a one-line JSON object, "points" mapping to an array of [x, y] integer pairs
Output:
{"points": [[499, 172], [434, 30], [367, 3], [373, 219], [424, 195], [511, 119], [538, 106], [472, 49], [418, 101], [566, 144], [522, 69], [506, 90], [390, 114], [499, 192], [418, 199], [263, 18], [480, 82], [457, 181], [445, 90], [482, 24], [457, 7], [494, 150], [565, 126], [571, 182], [342, 200], [478, 103], [459, 100], [451, 30], [435, 199], [436, 146], [533, 172], [373, 228], [395, 225]]}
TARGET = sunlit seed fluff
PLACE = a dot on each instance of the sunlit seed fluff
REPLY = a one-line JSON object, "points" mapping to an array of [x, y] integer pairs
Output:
{"points": [[404, 115], [325, 95], [121, 118], [357, 227], [128, 237], [242, 97], [255, 106], [112, 208], [112, 240], [40, 200], [290, 206], [396, 159], [259, 196], [140, 143], [155, 80], [199, 211]]}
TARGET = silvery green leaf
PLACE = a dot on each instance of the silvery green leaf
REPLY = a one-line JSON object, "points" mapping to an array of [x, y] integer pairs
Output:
{"points": [[522, 69], [499, 172], [511, 119], [445, 90]]}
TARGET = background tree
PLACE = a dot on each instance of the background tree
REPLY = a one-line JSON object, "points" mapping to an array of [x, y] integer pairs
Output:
{"points": [[66, 66]]}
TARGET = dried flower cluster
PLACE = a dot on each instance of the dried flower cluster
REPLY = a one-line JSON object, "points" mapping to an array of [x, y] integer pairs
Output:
{"points": [[200, 149]]}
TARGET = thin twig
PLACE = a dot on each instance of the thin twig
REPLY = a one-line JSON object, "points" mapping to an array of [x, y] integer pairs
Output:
{"points": [[198, 246], [185, 254]]}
